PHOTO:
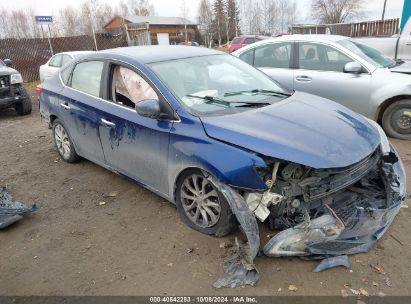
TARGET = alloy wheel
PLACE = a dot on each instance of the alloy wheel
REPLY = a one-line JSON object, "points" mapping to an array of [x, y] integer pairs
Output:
{"points": [[200, 201]]}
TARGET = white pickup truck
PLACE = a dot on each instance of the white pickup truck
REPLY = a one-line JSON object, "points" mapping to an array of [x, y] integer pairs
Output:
{"points": [[396, 47]]}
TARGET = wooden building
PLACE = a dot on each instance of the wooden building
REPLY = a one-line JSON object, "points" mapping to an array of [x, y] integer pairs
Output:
{"points": [[154, 29]]}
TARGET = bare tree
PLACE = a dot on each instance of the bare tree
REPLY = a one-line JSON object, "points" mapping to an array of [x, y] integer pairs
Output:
{"points": [[140, 8], [205, 19], [336, 11]]}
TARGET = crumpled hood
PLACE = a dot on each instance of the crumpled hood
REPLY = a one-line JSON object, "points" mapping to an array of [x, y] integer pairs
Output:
{"points": [[402, 68], [303, 128]]}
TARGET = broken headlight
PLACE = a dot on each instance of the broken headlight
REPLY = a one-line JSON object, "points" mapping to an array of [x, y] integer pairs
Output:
{"points": [[384, 143]]}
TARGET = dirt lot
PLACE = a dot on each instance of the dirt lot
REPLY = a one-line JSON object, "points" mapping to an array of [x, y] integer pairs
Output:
{"points": [[135, 244]]}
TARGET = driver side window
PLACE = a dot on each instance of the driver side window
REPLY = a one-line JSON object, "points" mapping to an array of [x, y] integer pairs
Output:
{"points": [[129, 88]]}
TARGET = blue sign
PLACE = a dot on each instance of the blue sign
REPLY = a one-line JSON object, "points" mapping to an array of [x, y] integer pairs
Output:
{"points": [[406, 13], [44, 19]]}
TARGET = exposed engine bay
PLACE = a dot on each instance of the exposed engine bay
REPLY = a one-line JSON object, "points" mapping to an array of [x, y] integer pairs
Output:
{"points": [[321, 212]]}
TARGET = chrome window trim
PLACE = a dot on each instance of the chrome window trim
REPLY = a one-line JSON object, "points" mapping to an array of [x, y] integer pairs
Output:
{"points": [[113, 103]]}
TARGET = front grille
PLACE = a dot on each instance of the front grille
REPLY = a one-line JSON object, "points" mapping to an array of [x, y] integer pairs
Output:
{"points": [[344, 178], [4, 81]]}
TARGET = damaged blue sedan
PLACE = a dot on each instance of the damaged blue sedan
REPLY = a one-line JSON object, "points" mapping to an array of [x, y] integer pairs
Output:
{"points": [[228, 145]]}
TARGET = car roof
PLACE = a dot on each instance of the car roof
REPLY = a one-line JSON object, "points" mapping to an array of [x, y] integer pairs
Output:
{"points": [[74, 53], [312, 37], [157, 53]]}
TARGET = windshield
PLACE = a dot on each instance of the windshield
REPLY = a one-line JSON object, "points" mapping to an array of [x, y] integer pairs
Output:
{"points": [[367, 53], [218, 83]]}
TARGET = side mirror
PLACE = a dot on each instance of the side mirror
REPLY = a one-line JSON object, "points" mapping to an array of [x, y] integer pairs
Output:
{"points": [[353, 68], [148, 108], [8, 62]]}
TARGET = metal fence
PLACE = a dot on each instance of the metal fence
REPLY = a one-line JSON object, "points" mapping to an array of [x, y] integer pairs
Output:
{"points": [[28, 54], [387, 27]]}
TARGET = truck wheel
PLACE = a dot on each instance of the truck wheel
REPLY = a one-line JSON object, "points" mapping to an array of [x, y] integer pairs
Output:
{"points": [[63, 142], [202, 207], [396, 119], [23, 107]]}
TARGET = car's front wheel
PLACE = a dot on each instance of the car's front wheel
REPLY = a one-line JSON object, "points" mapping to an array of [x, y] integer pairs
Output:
{"points": [[63, 142], [397, 119], [24, 107], [202, 206]]}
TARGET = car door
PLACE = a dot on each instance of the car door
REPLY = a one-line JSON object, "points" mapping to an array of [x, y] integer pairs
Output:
{"points": [[320, 71], [134, 145], [80, 108], [274, 59]]}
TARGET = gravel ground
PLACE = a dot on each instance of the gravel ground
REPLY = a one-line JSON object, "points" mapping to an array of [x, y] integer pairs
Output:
{"points": [[83, 243]]}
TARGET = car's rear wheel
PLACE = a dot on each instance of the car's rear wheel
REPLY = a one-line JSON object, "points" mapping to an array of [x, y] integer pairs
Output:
{"points": [[396, 119], [24, 107], [202, 207], [63, 142]]}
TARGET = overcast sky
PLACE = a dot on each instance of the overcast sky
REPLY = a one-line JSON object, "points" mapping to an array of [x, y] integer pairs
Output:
{"points": [[373, 9]]}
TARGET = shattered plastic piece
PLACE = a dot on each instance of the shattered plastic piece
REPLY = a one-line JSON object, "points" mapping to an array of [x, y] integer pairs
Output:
{"points": [[239, 269], [332, 262], [292, 287], [11, 211]]}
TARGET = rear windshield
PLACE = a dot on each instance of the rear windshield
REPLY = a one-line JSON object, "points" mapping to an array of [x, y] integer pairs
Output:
{"points": [[236, 41]]}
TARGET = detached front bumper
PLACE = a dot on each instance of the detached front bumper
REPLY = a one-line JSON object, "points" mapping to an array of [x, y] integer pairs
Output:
{"points": [[349, 225]]}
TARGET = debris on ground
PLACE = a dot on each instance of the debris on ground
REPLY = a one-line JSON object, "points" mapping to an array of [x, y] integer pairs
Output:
{"points": [[11, 211], [110, 194], [292, 287], [360, 292], [377, 269], [341, 260], [102, 203]]}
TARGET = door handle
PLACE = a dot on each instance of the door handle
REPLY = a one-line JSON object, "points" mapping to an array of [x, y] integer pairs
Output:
{"points": [[408, 43], [65, 106], [303, 78], [108, 123]]}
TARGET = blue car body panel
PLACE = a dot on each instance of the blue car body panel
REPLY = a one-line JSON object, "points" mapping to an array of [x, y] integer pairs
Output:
{"points": [[302, 129]]}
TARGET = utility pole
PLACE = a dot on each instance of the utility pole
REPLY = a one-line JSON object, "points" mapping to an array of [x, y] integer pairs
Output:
{"points": [[383, 10]]}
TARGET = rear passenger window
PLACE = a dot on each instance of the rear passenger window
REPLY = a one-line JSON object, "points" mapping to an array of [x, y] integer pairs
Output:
{"points": [[65, 59], [236, 41], [55, 61], [275, 55], [87, 77]]}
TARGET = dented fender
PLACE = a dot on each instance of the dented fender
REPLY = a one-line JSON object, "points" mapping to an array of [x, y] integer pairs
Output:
{"points": [[190, 147]]}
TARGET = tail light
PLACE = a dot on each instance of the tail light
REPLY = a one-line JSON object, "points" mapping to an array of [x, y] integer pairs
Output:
{"points": [[39, 90]]}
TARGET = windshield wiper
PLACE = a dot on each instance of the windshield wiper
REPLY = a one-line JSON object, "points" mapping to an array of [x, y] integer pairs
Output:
{"points": [[216, 100], [211, 99], [257, 91]]}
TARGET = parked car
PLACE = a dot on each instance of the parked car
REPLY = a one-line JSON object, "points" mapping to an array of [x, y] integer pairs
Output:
{"points": [[56, 62], [340, 69], [395, 47], [12, 92], [189, 43], [217, 137], [243, 40]]}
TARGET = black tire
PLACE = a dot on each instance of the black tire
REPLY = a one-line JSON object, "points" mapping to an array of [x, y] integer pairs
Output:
{"points": [[396, 119], [227, 221], [24, 107], [71, 156]]}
